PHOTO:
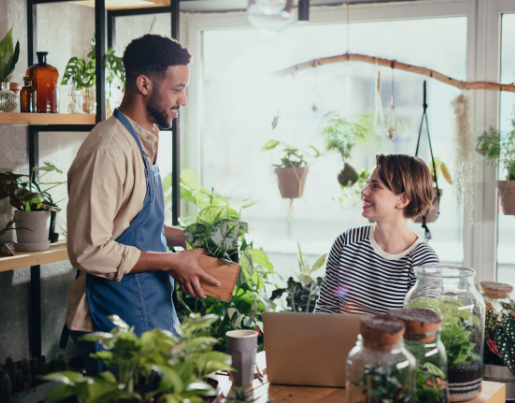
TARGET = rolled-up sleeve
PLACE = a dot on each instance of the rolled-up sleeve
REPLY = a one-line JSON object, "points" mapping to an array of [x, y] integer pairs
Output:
{"points": [[96, 185]]}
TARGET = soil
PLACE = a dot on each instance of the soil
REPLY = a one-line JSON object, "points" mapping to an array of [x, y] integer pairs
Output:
{"points": [[490, 285], [465, 373], [415, 315], [382, 324]]}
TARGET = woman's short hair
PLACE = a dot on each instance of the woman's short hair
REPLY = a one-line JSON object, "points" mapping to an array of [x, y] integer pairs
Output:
{"points": [[409, 175]]}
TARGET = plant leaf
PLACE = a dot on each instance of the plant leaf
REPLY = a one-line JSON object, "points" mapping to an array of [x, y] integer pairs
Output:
{"points": [[270, 145], [319, 263]]}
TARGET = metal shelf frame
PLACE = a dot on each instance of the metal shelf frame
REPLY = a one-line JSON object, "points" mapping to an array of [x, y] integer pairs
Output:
{"points": [[35, 336]]}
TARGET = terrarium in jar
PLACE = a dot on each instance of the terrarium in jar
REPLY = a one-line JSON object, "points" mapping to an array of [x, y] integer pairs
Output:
{"points": [[422, 339], [496, 293], [450, 291], [379, 368]]}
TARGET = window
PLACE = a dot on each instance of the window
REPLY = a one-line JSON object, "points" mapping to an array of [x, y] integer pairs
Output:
{"points": [[241, 100]]}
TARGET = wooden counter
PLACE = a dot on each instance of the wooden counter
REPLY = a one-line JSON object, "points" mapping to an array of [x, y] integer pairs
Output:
{"points": [[263, 391]]}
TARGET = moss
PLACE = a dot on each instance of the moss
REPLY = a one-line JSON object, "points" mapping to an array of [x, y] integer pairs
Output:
{"points": [[347, 176]]}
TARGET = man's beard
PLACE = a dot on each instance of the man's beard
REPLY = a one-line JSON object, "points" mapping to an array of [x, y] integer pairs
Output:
{"points": [[155, 110]]}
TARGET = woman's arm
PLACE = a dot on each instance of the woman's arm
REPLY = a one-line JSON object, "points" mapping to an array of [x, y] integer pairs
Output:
{"points": [[423, 254], [328, 302]]}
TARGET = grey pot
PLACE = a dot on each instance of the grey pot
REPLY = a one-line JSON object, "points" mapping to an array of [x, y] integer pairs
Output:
{"points": [[37, 221], [500, 373]]}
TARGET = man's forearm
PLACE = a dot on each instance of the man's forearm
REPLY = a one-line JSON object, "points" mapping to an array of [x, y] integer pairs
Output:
{"points": [[149, 261], [175, 237]]}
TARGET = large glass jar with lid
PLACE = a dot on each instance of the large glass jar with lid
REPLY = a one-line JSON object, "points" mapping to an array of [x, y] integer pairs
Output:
{"points": [[496, 293], [380, 369], [422, 339], [450, 291]]}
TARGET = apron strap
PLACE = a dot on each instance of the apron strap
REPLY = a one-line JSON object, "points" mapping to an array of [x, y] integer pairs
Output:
{"points": [[148, 172]]}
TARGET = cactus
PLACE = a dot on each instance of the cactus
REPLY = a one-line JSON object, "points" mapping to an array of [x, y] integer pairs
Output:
{"points": [[60, 357], [52, 366], [6, 386], [25, 368], [64, 364], [44, 368], [9, 364], [33, 365], [18, 381], [2, 373]]}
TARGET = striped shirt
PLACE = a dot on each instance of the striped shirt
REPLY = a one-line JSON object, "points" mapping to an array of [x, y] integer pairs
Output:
{"points": [[361, 278]]}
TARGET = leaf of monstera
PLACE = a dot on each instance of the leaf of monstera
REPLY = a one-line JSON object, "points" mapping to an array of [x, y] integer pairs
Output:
{"points": [[224, 233], [47, 167]]}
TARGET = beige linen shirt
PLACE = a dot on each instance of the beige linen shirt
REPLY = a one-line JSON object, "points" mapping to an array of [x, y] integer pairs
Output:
{"points": [[106, 189]]}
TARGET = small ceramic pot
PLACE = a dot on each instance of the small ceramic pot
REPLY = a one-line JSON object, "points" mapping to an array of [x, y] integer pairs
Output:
{"points": [[291, 181], [507, 195], [37, 221]]}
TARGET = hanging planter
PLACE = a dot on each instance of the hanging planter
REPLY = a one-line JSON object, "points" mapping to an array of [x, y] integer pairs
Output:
{"points": [[291, 181], [500, 148], [433, 214]]}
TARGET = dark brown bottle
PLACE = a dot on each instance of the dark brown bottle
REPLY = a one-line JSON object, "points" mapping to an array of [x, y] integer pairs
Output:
{"points": [[45, 80], [28, 96]]}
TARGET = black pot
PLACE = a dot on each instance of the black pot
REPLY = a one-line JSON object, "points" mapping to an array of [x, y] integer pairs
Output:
{"points": [[52, 235]]}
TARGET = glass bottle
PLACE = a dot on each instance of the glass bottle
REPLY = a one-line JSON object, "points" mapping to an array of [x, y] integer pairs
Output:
{"points": [[89, 100], [422, 339], [450, 291], [8, 98], [74, 99], [496, 293], [379, 368], [28, 96], [45, 79]]}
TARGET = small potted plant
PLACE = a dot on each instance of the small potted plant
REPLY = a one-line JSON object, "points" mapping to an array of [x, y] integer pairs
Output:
{"points": [[341, 136], [441, 170], [293, 170], [33, 204], [218, 229], [499, 149], [9, 56]]}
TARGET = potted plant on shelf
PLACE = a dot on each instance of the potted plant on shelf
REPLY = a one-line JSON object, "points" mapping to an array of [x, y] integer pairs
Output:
{"points": [[33, 206], [291, 173], [7, 248], [9, 56], [157, 366], [441, 170], [341, 136], [499, 149]]}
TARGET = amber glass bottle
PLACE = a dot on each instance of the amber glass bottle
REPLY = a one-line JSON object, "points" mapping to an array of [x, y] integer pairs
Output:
{"points": [[28, 96], [45, 80]]}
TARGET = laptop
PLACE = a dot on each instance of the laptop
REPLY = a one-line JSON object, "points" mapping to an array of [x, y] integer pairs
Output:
{"points": [[308, 349]]}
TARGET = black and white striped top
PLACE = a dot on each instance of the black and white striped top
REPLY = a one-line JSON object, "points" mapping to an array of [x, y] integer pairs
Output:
{"points": [[363, 279]]}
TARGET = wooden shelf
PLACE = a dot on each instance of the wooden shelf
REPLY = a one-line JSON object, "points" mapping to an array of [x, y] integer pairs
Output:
{"points": [[7, 118], [56, 253], [125, 4]]}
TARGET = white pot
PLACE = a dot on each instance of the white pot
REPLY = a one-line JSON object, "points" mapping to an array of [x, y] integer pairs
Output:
{"points": [[37, 221]]}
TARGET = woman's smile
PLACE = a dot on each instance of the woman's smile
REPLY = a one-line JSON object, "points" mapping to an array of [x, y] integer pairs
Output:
{"points": [[367, 204]]}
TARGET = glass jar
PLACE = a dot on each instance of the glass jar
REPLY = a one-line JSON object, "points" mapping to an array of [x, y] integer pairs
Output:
{"points": [[89, 100], [379, 368], [422, 339], [496, 293], [28, 96], [450, 291], [74, 99], [45, 79], [8, 98]]}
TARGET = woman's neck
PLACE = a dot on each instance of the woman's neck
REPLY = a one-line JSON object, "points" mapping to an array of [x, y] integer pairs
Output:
{"points": [[394, 236]]}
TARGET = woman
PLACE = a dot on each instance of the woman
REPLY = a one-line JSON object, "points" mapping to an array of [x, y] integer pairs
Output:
{"points": [[370, 269]]}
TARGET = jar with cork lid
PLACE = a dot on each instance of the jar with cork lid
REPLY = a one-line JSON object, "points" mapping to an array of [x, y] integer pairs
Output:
{"points": [[380, 369], [496, 293], [422, 339]]}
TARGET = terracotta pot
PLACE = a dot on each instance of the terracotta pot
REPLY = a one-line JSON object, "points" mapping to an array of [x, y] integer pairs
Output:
{"points": [[433, 214], [507, 195], [224, 273], [291, 181]]}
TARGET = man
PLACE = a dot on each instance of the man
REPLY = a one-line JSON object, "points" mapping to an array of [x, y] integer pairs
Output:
{"points": [[116, 233]]}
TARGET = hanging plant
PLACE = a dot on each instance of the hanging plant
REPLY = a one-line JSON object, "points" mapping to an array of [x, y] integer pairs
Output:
{"points": [[342, 135], [464, 158], [292, 171], [499, 149], [392, 125]]}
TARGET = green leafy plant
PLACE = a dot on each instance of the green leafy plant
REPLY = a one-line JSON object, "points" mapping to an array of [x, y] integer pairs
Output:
{"points": [[240, 395], [293, 157], [218, 229], [460, 329], [350, 195], [305, 270], [342, 135], [170, 368], [83, 74], [28, 195], [499, 149], [500, 335], [385, 385], [9, 56]]}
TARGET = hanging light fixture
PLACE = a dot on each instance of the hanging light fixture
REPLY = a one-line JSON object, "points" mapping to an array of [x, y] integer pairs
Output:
{"points": [[270, 17]]}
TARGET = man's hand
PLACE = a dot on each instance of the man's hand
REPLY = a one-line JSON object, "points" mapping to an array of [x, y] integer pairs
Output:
{"points": [[187, 271]]}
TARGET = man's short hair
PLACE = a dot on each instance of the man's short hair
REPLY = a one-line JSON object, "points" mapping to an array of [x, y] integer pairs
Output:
{"points": [[409, 175], [151, 55]]}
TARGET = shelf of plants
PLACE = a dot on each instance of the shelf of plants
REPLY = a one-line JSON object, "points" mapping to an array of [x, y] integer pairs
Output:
{"points": [[7, 118], [56, 253]]}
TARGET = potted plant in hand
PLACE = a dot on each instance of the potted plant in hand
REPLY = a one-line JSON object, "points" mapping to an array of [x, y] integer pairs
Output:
{"points": [[33, 204], [342, 135], [8, 58], [499, 149], [291, 173], [441, 169], [218, 229]]}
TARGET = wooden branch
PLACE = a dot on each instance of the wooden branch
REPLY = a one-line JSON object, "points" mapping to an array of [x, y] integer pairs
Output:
{"points": [[353, 57]]}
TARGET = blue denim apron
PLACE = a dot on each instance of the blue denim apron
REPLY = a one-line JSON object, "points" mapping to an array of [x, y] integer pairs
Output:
{"points": [[143, 300]]}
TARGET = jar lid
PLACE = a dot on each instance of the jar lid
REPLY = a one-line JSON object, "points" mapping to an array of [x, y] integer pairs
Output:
{"points": [[417, 320], [495, 290], [381, 331]]}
